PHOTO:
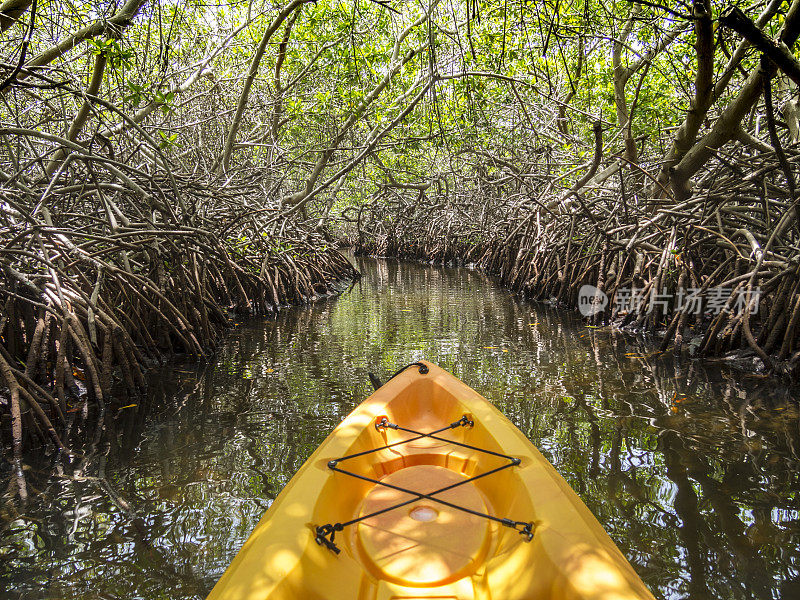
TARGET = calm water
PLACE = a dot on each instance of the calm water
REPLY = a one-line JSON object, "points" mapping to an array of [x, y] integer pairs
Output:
{"points": [[693, 472]]}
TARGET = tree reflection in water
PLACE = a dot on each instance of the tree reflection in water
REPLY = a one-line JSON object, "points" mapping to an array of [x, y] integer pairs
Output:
{"points": [[693, 471]]}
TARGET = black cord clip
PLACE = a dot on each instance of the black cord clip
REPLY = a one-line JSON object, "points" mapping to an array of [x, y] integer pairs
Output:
{"points": [[464, 421], [385, 423], [322, 533], [525, 529]]}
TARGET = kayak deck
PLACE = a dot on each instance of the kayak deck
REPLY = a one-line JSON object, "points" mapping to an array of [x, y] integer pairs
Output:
{"points": [[450, 544]]}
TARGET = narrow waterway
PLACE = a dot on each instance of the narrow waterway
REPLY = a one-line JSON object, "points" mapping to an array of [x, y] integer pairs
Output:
{"points": [[692, 471]]}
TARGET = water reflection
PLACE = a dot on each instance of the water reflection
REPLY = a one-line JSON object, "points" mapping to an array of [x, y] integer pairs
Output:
{"points": [[693, 471]]}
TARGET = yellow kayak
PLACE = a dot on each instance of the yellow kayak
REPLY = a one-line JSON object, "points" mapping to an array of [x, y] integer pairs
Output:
{"points": [[427, 491]]}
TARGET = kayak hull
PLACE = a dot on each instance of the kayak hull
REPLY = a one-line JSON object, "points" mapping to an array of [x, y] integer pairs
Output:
{"points": [[431, 547]]}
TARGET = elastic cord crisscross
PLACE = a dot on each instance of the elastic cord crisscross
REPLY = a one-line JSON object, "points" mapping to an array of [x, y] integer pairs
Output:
{"points": [[325, 533]]}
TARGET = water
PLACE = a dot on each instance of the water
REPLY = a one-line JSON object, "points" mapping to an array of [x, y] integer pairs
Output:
{"points": [[692, 471]]}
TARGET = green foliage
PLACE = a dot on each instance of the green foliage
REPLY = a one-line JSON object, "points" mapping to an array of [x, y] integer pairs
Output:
{"points": [[167, 140], [164, 100], [521, 82], [113, 51]]}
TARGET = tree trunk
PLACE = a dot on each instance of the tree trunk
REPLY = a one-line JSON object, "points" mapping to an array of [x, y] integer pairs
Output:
{"points": [[703, 99], [230, 138], [727, 124], [11, 11]]}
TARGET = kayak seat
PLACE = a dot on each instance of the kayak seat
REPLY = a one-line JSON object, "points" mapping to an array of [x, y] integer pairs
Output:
{"points": [[424, 543]]}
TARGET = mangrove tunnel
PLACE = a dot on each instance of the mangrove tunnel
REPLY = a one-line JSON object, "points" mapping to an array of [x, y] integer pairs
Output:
{"points": [[217, 217]]}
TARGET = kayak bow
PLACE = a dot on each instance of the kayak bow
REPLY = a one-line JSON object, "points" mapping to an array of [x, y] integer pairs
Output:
{"points": [[427, 491]]}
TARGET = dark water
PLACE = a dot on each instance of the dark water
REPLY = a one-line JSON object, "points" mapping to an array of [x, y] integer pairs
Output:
{"points": [[693, 472]]}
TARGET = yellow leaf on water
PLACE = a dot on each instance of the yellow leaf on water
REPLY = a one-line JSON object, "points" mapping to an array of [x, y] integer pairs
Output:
{"points": [[490, 347], [270, 370], [635, 355], [505, 349], [128, 406]]}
